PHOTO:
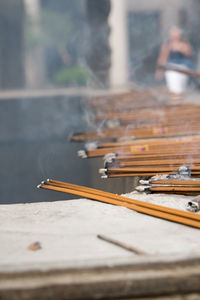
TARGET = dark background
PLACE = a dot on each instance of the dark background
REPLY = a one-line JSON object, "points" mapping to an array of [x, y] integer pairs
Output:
{"points": [[34, 146]]}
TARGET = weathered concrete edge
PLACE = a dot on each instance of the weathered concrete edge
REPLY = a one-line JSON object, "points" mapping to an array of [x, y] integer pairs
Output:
{"points": [[90, 264], [15, 94], [121, 280]]}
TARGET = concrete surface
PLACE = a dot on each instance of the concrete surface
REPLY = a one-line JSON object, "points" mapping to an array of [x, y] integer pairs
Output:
{"points": [[73, 264], [67, 232]]}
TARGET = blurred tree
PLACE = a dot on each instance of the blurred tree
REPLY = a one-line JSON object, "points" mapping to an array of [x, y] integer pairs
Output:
{"points": [[11, 44], [62, 34], [55, 29], [99, 51]]}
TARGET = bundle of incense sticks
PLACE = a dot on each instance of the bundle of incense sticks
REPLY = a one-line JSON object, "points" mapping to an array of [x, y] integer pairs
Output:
{"points": [[178, 216], [143, 171], [147, 139], [187, 146], [168, 116], [125, 106], [161, 162], [117, 166], [150, 142], [149, 114], [137, 133], [133, 100], [144, 123], [170, 185]]}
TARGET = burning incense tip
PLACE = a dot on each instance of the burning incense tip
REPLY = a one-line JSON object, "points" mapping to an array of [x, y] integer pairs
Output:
{"points": [[82, 153], [48, 179], [193, 205], [109, 157], [91, 146], [144, 182], [141, 188], [102, 171]]}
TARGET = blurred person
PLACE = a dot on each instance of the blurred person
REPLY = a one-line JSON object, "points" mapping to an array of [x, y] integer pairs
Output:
{"points": [[176, 52]]}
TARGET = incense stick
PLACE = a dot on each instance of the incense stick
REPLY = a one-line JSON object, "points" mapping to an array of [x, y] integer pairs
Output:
{"points": [[121, 245]]}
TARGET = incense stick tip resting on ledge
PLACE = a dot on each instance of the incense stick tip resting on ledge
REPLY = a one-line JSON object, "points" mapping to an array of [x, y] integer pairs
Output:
{"points": [[43, 182]]}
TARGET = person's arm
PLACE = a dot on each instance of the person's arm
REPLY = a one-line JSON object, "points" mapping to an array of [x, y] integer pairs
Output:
{"points": [[162, 59], [187, 49]]}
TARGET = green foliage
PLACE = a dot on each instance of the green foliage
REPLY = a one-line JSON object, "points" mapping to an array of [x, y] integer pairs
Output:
{"points": [[71, 76]]}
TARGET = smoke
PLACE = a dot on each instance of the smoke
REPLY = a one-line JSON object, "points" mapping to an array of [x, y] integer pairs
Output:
{"points": [[54, 42]]}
